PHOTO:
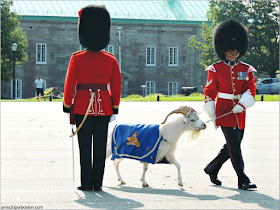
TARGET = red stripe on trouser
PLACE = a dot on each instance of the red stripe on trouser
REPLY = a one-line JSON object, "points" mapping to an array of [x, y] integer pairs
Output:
{"points": [[229, 149]]}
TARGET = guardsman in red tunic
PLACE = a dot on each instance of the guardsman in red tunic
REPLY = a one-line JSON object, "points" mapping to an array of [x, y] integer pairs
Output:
{"points": [[94, 76], [232, 83]]}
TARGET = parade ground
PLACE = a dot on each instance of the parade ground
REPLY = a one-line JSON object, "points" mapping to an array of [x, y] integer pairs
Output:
{"points": [[37, 167]]}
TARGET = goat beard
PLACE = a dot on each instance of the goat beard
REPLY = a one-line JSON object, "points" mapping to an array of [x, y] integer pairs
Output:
{"points": [[193, 136]]}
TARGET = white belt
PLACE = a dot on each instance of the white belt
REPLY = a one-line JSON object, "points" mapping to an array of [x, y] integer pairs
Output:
{"points": [[229, 96]]}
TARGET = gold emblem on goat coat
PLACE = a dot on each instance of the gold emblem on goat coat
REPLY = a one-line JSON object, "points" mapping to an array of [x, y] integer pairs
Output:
{"points": [[133, 140]]}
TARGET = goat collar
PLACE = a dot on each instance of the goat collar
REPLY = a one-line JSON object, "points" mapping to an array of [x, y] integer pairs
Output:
{"points": [[189, 113]]}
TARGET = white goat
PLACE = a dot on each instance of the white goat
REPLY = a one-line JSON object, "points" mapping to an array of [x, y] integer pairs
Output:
{"points": [[171, 133]]}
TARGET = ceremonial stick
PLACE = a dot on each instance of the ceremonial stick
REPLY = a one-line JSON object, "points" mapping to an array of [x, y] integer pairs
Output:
{"points": [[73, 154], [202, 89], [85, 117]]}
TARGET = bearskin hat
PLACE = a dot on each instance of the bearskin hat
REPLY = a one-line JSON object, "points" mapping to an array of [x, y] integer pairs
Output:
{"points": [[94, 27], [230, 35]]}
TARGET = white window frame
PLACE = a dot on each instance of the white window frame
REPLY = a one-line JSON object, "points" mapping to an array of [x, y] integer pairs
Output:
{"points": [[151, 52], [173, 56], [110, 49], [41, 57], [173, 90], [18, 89], [150, 88], [45, 87]]}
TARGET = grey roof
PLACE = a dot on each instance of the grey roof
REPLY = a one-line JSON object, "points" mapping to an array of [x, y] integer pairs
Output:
{"points": [[138, 10]]}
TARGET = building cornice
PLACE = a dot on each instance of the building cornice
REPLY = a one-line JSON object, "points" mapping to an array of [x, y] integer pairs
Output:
{"points": [[116, 20]]}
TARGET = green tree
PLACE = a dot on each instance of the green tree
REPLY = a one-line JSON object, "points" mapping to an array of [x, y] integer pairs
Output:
{"points": [[260, 17], [11, 33]]}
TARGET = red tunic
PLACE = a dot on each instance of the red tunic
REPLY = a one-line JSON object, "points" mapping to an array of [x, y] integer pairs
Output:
{"points": [[228, 79], [89, 67]]}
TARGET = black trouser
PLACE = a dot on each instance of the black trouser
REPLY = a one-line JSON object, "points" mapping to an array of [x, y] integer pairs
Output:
{"points": [[40, 90], [230, 150], [92, 156]]}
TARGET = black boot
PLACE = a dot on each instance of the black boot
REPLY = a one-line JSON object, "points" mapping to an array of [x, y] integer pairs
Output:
{"points": [[246, 186], [97, 188], [213, 177], [84, 188]]}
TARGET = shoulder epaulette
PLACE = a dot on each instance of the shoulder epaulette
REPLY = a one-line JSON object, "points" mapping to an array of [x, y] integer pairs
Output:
{"points": [[210, 68], [78, 52], [108, 52]]}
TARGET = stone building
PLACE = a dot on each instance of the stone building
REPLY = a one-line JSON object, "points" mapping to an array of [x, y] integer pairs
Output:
{"points": [[149, 38]]}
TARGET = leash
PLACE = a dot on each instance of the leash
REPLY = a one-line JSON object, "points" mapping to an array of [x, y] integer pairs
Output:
{"points": [[85, 117], [219, 117]]}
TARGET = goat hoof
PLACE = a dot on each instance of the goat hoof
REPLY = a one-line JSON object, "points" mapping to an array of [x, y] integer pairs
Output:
{"points": [[122, 183], [181, 185], [145, 185]]}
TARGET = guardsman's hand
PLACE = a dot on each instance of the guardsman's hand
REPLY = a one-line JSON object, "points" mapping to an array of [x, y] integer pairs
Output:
{"points": [[237, 109], [113, 117], [66, 109]]}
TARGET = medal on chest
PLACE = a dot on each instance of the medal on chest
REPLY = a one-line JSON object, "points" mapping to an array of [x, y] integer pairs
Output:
{"points": [[242, 76]]}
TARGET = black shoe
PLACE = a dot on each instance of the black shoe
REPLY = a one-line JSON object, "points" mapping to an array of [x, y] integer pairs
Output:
{"points": [[213, 178], [84, 188], [97, 188], [246, 186]]}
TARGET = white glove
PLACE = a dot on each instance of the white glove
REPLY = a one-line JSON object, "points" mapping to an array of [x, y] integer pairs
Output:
{"points": [[68, 114], [209, 108], [113, 117], [237, 109], [247, 100]]}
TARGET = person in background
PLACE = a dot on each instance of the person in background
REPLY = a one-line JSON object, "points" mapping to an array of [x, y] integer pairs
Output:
{"points": [[232, 82], [39, 86], [90, 71]]}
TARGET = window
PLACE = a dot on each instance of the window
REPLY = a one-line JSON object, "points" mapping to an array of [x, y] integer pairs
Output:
{"points": [[173, 56], [41, 53], [275, 80], [110, 49], [150, 56], [172, 88], [18, 89], [150, 87]]}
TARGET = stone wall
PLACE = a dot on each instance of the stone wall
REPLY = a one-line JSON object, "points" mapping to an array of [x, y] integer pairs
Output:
{"points": [[62, 40]]}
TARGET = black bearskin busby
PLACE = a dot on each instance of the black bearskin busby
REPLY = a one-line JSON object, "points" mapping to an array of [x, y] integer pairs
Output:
{"points": [[94, 27], [230, 35]]}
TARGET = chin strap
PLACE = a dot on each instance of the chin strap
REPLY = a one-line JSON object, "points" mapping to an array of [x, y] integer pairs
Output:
{"points": [[85, 117], [231, 55]]}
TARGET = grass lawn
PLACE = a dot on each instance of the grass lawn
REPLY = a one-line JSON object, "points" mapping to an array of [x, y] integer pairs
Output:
{"points": [[154, 97], [192, 97]]}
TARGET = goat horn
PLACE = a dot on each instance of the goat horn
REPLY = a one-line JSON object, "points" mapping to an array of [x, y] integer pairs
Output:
{"points": [[181, 110]]}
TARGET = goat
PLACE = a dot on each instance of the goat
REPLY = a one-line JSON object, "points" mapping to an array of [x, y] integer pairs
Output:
{"points": [[171, 133]]}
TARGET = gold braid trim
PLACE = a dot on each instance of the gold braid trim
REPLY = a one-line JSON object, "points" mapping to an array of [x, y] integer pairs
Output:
{"points": [[85, 117]]}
